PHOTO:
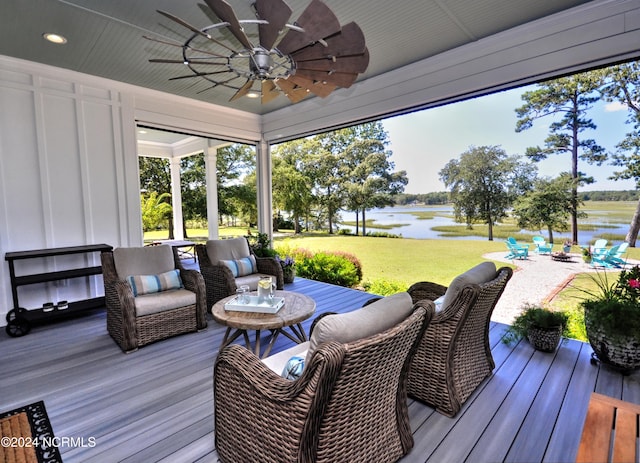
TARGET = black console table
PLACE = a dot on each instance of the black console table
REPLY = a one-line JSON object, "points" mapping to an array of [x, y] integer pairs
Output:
{"points": [[19, 319]]}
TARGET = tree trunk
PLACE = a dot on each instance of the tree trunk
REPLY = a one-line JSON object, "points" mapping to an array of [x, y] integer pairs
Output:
{"points": [[490, 223], [550, 235], [357, 218], [634, 228], [574, 175], [364, 227]]}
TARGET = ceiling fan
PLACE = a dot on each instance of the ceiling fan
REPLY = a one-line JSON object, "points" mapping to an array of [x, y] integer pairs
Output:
{"points": [[314, 55]]}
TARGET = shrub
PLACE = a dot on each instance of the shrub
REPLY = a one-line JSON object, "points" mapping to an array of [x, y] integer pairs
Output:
{"points": [[261, 245], [384, 287], [328, 268], [351, 258]]}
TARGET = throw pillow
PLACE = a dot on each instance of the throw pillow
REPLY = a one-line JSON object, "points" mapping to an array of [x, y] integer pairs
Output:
{"points": [[146, 284], [242, 267], [293, 369]]}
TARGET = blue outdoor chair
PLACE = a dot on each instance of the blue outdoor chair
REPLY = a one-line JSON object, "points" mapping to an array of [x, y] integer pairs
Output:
{"points": [[610, 258], [516, 251], [617, 259], [599, 248], [542, 247]]}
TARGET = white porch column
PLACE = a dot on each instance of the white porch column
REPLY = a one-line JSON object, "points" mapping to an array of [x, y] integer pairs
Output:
{"points": [[210, 162], [176, 198], [263, 176]]}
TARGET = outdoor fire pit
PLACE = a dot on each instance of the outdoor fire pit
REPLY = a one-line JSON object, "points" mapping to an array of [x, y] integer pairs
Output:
{"points": [[561, 256]]}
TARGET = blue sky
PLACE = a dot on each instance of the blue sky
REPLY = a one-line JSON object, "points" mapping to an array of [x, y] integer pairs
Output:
{"points": [[423, 142]]}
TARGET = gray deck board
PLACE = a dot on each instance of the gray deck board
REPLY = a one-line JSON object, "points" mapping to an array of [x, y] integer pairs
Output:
{"points": [[156, 404]]}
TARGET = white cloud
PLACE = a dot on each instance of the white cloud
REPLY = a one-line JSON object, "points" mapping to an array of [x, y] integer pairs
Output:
{"points": [[615, 106]]}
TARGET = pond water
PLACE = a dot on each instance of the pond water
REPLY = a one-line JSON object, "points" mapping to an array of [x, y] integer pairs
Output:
{"points": [[410, 225]]}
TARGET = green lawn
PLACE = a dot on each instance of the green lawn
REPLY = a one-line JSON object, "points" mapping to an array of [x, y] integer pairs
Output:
{"points": [[401, 260]]}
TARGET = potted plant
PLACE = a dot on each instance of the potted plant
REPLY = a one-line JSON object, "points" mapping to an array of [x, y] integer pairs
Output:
{"points": [[288, 265], [543, 328], [612, 319], [586, 254], [566, 246]]}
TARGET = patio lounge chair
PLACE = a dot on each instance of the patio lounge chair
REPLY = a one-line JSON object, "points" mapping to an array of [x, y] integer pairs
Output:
{"points": [[218, 257], [516, 251], [348, 405], [615, 257], [599, 248], [146, 300], [454, 356], [542, 247], [611, 257]]}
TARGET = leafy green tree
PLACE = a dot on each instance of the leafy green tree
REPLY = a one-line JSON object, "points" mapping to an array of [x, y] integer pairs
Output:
{"points": [[326, 168], [622, 83], [291, 185], [547, 206], [369, 177], [484, 183], [566, 102], [233, 164], [193, 187], [155, 177]]}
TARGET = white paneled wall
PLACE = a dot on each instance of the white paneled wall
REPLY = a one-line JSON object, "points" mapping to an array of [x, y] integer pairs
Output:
{"points": [[69, 168]]}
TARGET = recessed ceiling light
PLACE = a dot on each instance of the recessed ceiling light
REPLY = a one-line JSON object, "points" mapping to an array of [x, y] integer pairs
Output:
{"points": [[54, 38], [253, 95]]}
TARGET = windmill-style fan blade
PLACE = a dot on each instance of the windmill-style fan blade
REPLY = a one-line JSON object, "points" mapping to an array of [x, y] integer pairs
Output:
{"points": [[317, 88], [350, 41], [318, 22], [269, 91], [340, 79], [277, 13], [349, 64], [181, 61], [291, 90], [181, 45], [199, 74], [225, 12], [243, 90], [183, 23]]}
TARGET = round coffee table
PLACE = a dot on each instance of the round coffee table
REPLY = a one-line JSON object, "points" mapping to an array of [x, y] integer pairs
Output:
{"points": [[297, 308]]}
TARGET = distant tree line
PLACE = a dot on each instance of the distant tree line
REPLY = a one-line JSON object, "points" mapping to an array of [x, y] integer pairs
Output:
{"points": [[436, 198], [610, 195]]}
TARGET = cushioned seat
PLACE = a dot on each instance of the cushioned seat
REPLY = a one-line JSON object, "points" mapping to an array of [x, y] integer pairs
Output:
{"points": [[454, 355], [349, 404], [149, 296], [228, 264]]}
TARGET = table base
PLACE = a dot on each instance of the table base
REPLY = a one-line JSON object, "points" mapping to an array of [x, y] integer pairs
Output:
{"points": [[231, 334]]}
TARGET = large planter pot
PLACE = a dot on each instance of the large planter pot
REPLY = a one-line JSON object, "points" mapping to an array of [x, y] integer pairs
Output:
{"points": [[620, 352], [289, 275], [545, 339]]}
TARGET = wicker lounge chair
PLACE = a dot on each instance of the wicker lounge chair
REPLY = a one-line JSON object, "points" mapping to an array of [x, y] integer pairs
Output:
{"points": [[349, 404], [219, 279], [134, 321], [454, 356]]}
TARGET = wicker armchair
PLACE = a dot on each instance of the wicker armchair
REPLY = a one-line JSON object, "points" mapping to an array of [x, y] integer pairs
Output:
{"points": [[134, 321], [218, 277], [454, 355], [349, 405]]}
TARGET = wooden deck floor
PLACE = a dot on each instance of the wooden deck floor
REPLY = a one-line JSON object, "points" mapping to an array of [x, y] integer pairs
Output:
{"points": [[156, 404]]}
